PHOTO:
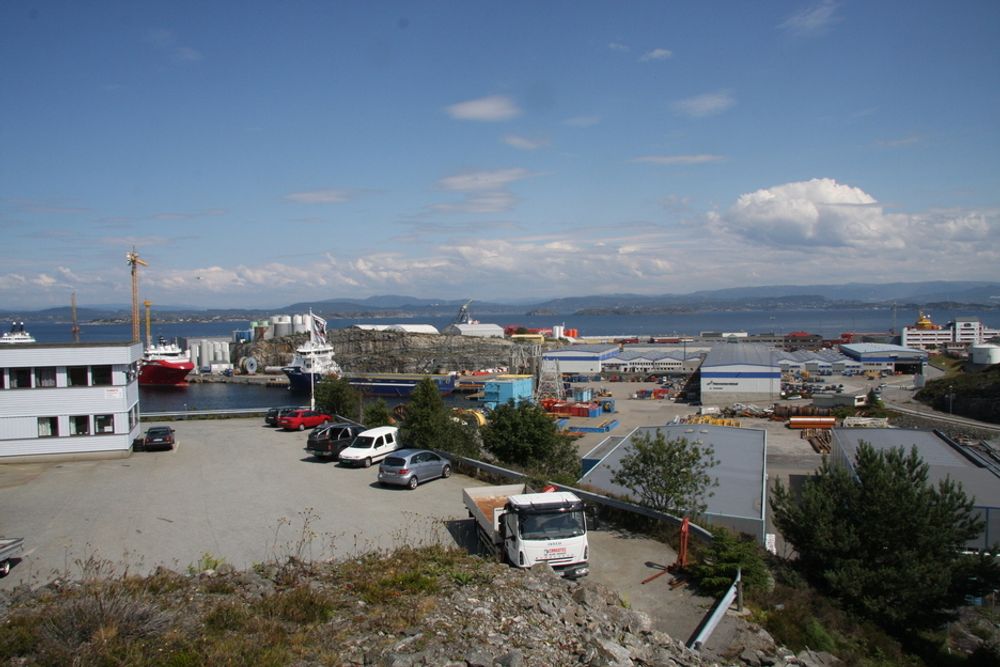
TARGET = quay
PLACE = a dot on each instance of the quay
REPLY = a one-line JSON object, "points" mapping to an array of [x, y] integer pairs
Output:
{"points": [[265, 380]]}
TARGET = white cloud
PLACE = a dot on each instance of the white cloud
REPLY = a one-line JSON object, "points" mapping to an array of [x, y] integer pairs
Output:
{"points": [[701, 158], [583, 121], [482, 180], [656, 54], [524, 143], [166, 42], [812, 20], [816, 212], [617, 46], [319, 197], [491, 109], [708, 104], [901, 142], [479, 202]]}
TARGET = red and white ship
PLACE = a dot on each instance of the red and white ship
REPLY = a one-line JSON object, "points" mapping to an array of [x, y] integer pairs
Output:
{"points": [[164, 364]]}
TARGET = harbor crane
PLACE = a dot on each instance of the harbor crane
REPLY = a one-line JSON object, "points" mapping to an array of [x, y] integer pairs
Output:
{"points": [[134, 261], [464, 314]]}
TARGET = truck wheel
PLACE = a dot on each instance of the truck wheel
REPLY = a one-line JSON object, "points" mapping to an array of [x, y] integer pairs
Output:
{"points": [[412, 483], [368, 462], [446, 472], [4, 568]]}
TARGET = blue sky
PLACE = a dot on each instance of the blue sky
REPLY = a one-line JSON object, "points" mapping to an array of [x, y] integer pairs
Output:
{"points": [[262, 153]]}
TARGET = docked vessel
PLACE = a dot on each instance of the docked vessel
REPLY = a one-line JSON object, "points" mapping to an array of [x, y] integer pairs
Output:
{"points": [[313, 360], [17, 334], [399, 384], [164, 364]]}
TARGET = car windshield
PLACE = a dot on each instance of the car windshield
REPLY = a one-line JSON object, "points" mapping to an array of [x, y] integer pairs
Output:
{"points": [[556, 526], [363, 442]]}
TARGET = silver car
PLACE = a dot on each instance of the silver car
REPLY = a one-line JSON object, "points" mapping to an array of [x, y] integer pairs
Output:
{"points": [[409, 467]]}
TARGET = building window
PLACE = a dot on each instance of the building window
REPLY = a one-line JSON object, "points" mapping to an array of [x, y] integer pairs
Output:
{"points": [[104, 424], [133, 417], [76, 376], [48, 427], [100, 375], [20, 378], [45, 377], [3, 378], [79, 425]]}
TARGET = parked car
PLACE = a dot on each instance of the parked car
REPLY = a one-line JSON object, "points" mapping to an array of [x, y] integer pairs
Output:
{"points": [[370, 446], [271, 418], [300, 420], [328, 440], [158, 437], [409, 467]]}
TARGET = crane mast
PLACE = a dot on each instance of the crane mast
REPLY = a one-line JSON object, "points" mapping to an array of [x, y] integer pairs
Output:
{"points": [[134, 261]]}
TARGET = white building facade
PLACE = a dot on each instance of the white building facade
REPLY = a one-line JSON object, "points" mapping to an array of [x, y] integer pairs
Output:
{"points": [[68, 400], [963, 331]]}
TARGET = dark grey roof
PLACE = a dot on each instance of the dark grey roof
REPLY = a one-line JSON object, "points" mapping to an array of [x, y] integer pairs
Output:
{"points": [[741, 354], [942, 459], [740, 473]]}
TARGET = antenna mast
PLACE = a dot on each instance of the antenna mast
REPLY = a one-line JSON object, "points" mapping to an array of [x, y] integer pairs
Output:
{"points": [[133, 260]]}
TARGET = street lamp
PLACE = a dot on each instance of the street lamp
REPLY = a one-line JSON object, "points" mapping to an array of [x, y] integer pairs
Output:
{"points": [[951, 397]]}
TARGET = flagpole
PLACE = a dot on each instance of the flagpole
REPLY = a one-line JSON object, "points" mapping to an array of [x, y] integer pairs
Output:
{"points": [[312, 371]]}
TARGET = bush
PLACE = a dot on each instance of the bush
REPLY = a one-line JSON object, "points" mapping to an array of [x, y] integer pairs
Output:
{"points": [[719, 561]]}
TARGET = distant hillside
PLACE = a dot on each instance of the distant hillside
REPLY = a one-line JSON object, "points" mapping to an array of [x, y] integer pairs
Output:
{"points": [[928, 293]]}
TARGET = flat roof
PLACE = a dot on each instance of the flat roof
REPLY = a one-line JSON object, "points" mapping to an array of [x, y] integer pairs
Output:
{"points": [[879, 348], [942, 459], [740, 472], [741, 354]]}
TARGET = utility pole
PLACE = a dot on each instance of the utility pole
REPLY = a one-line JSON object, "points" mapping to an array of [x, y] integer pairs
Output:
{"points": [[951, 397]]}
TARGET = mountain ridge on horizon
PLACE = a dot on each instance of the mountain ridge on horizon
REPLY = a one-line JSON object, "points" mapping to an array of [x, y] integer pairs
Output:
{"points": [[983, 293]]}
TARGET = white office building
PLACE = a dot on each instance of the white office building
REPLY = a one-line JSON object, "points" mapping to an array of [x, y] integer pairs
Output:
{"points": [[68, 400]]}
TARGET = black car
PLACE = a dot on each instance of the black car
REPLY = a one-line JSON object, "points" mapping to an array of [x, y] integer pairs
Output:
{"points": [[328, 440], [271, 418], [158, 437]]}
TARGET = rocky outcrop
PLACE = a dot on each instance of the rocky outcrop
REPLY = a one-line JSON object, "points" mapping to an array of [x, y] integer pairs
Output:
{"points": [[359, 350]]}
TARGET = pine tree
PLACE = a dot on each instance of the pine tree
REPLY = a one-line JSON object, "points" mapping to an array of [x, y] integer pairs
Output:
{"points": [[883, 539], [428, 423], [336, 396], [524, 435], [377, 414]]}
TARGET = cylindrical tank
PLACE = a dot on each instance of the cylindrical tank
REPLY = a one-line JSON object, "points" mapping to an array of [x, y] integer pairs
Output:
{"points": [[282, 325], [196, 356], [300, 323], [558, 331], [986, 354]]}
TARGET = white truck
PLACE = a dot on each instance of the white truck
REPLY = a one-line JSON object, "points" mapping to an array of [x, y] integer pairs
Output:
{"points": [[525, 529]]}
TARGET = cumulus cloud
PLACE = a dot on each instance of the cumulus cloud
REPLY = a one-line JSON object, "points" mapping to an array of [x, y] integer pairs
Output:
{"points": [[708, 104], [319, 197], [489, 109], [820, 212], [811, 20], [656, 54], [524, 143], [700, 158]]}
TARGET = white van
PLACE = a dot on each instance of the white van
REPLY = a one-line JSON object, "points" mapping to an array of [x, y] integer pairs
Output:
{"points": [[371, 445]]}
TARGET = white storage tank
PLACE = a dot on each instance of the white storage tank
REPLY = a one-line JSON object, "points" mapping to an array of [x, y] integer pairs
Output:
{"points": [[558, 331], [196, 355], [300, 323], [986, 354], [282, 325]]}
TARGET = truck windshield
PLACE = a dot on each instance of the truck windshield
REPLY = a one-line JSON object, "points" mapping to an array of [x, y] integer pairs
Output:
{"points": [[555, 526]]}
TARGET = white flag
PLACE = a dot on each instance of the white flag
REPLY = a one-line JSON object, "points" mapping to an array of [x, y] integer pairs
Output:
{"points": [[318, 328]]}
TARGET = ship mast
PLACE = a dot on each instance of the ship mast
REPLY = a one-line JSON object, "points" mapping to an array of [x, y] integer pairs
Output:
{"points": [[133, 260]]}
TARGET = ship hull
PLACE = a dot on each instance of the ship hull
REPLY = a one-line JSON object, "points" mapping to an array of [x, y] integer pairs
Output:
{"points": [[166, 373], [301, 381], [398, 386]]}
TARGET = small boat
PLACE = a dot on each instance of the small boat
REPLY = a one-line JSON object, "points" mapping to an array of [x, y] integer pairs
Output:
{"points": [[399, 384], [313, 360], [164, 364], [16, 335]]}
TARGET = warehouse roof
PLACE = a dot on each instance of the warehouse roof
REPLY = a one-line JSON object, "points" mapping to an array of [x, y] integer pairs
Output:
{"points": [[587, 349], [740, 473], [741, 354], [859, 349]]}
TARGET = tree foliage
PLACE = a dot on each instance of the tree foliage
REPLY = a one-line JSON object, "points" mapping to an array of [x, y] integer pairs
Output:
{"points": [[377, 413], [728, 553], [428, 423], [524, 435], [667, 475], [336, 396], [884, 539]]}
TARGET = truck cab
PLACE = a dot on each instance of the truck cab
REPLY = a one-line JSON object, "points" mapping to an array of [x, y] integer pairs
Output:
{"points": [[546, 528]]}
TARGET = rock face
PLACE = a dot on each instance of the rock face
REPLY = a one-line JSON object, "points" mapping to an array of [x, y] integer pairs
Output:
{"points": [[359, 350]]}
